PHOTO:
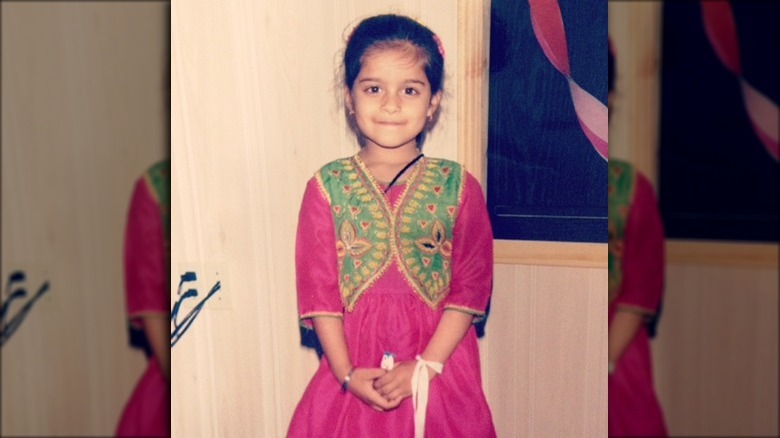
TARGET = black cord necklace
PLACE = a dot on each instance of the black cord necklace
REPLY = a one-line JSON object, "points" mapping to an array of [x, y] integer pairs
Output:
{"points": [[398, 175]]}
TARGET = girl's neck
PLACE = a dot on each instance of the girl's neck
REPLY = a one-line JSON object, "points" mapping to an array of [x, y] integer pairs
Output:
{"points": [[372, 155], [385, 164]]}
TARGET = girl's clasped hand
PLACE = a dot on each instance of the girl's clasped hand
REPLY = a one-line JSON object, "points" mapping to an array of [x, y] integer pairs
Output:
{"points": [[385, 389]]}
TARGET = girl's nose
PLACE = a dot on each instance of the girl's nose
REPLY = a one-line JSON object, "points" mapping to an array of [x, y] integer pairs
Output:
{"points": [[390, 104]]}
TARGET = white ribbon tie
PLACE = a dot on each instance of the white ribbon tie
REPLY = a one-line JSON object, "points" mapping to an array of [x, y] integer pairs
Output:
{"points": [[420, 384]]}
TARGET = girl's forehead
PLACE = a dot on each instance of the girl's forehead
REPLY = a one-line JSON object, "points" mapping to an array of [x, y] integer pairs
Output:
{"points": [[393, 59]]}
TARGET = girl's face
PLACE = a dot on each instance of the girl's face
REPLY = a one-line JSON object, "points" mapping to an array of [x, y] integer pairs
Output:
{"points": [[391, 98]]}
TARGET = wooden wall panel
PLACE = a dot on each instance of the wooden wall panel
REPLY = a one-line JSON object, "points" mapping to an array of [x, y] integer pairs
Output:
{"points": [[546, 349], [633, 127], [82, 117], [716, 357]]}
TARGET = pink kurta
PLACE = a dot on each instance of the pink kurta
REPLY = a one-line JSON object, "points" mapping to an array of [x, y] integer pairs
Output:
{"points": [[633, 406], [147, 412], [391, 317]]}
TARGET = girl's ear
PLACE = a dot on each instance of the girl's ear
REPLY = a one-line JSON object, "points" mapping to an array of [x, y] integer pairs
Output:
{"points": [[348, 102], [434, 105]]}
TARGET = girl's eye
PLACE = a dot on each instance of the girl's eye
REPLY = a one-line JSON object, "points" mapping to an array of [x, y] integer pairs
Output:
{"points": [[373, 89], [410, 91]]}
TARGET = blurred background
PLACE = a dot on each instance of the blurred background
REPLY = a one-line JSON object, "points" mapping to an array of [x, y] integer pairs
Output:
{"points": [[716, 353], [84, 113]]}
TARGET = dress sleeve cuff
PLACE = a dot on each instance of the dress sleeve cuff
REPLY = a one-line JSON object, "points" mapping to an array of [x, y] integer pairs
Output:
{"points": [[305, 320], [636, 309], [478, 315], [135, 317]]}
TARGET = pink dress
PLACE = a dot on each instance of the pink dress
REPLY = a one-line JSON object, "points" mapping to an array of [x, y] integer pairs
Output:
{"points": [[391, 317], [147, 412], [633, 405]]}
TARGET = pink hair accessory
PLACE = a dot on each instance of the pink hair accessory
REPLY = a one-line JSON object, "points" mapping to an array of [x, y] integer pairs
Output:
{"points": [[439, 44]]}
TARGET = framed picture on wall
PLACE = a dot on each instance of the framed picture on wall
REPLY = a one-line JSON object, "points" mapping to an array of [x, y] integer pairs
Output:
{"points": [[547, 122], [718, 163]]}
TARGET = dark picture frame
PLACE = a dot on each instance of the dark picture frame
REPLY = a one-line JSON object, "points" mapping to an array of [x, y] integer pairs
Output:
{"points": [[717, 181], [545, 180]]}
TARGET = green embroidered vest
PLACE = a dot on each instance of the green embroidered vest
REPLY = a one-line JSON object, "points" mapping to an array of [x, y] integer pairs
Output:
{"points": [[620, 192], [158, 179], [416, 231]]}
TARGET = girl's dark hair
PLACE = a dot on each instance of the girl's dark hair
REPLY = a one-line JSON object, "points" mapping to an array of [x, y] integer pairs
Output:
{"points": [[389, 31], [393, 32], [611, 69]]}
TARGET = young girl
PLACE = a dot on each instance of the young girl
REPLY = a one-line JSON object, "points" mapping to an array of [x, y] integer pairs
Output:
{"points": [[394, 257], [636, 282], [147, 278]]}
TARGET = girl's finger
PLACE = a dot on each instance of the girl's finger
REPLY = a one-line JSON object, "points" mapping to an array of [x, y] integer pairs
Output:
{"points": [[388, 388], [395, 395]]}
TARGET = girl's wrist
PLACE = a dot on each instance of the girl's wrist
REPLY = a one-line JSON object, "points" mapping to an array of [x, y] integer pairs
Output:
{"points": [[341, 369], [346, 379], [431, 372], [340, 372]]}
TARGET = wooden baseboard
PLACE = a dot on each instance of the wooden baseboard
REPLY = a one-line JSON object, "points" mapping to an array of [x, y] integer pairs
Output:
{"points": [[737, 254], [525, 252]]}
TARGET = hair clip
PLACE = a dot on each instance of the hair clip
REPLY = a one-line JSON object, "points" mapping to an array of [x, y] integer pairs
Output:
{"points": [[439, 44]]}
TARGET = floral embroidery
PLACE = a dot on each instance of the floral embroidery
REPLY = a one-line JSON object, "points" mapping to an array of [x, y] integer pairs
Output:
{"points": [[427, 219], [158, 180], [620, 191], [416, 232], [350, 244], [436, 243]]}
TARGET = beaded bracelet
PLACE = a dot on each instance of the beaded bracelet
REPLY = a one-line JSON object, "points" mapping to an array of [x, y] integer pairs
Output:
{"points": [[347, 378]]}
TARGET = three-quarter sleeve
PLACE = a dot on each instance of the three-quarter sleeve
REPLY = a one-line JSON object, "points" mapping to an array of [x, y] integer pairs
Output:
{"points": [[146, 291], [472, 253], [643, 262], [316, 262]]}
